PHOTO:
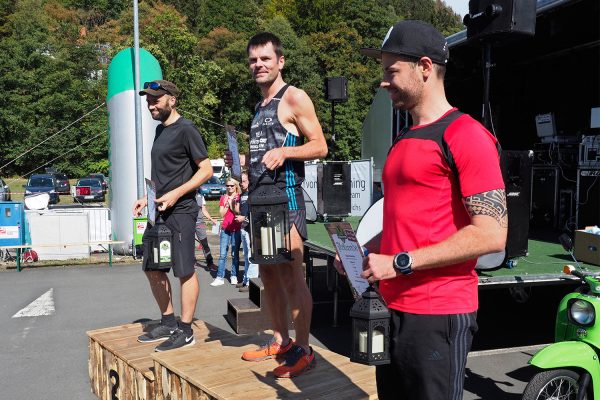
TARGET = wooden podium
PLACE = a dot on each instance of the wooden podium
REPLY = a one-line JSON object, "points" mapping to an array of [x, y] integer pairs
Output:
{"points": [[122, 368]]}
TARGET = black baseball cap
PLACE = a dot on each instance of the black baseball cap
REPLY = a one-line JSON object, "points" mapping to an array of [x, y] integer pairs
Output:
{"points": [[159, 87], [413, 38]]}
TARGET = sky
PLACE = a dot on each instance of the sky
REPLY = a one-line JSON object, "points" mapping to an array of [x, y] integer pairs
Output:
{"points": [[459, 6]]}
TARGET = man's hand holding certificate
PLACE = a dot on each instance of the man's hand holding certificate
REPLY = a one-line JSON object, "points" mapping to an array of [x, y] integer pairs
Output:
{"points": [[351, 254]]}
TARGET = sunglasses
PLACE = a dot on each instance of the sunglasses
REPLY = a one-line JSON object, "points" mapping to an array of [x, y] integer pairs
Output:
{"points": [[230, 185], [155, 86]]}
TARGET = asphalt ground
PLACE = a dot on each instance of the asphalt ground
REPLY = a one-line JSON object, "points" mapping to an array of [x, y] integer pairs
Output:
{"points": [[45, 356]]}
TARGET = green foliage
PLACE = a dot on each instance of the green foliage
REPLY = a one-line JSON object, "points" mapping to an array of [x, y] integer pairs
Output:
{"points": [[54, 55]]}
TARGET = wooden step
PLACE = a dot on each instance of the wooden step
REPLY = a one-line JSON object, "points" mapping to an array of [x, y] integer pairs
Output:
{"points": [[121, 367], [246, 317], [215, 370], [251, 315], [256, 292]]}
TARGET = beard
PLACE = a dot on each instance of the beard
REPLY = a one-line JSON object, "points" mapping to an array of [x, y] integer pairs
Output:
{"points": [[162, 114], [406, 98]]}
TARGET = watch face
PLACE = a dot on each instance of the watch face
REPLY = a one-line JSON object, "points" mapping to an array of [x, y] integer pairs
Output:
{"points": [[403, 260]]}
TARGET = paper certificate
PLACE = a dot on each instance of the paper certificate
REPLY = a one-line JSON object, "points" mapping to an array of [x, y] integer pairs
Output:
{"points": [[236, 167], [151, 197], [350, 252], [216, 228]]}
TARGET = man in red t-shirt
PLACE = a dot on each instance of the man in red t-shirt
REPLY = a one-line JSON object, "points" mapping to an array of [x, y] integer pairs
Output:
{"points": [[445, 207]]}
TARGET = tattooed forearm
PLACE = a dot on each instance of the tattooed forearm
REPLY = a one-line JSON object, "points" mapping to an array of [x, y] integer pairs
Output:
{"points": [[492, 203]]}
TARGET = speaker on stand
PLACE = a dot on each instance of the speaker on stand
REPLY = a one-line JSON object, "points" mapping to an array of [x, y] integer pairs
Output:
{"points": [[496, 18], [334, 189], [516, 171], [490, 21], [336, 91]]}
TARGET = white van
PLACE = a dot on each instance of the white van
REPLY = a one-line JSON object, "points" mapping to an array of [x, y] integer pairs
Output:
{"points": [[218, 167]]}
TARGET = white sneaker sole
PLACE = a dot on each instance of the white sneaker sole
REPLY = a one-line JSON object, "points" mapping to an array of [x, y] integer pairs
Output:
{"points": [[185, 345], [153, 340]]}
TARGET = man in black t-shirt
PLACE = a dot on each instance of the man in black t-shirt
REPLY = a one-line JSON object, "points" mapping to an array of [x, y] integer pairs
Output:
{"points": [[180, 165]]}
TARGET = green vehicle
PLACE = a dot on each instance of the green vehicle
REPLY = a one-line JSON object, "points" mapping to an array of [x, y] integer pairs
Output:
{"points": [[571, 366]]}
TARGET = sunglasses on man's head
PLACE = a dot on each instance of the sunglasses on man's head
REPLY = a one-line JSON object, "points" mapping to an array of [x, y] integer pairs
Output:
{"points": [[155, 86]]}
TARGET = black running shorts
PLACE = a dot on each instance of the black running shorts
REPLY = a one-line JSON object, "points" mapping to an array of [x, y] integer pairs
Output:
{"points": [[182, 227], [298, 218]]}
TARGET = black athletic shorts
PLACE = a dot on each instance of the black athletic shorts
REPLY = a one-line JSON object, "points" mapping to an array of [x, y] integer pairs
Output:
{"points": [[429, 354], [298, 218], [182, 227]]}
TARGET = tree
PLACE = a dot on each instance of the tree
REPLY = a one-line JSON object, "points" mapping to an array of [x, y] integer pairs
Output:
{"points": [[46, 77]]}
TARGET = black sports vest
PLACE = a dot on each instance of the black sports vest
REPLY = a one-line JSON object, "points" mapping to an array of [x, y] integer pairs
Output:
{"points": [[267, 133]]}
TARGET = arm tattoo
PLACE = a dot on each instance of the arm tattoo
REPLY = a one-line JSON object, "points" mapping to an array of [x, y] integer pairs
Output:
{"points": [[492, 203]]}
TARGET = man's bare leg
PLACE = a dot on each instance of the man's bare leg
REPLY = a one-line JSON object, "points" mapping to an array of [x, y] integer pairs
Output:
{"points": [[189, 296], [161, 290], [276, 300], [285, 286], [297, 292]]}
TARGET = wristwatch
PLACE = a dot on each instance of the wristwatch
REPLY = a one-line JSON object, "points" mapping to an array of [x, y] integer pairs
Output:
{"points": [[403, 263]]}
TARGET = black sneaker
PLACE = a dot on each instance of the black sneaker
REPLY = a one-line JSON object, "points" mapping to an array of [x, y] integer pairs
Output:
{"points": [[176, 340], [159, 332]]}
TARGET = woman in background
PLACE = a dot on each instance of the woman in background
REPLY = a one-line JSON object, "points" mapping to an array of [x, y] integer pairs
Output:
{"points": [[229, 207]]}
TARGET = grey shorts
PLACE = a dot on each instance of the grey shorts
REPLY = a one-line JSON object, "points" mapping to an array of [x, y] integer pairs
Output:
{"points": [[298, 218], [182, 227]]}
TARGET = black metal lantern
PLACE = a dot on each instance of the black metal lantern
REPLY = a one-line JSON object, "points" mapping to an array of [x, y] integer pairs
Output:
{"points": [[159, 238], [269, 226], [370, 330]]}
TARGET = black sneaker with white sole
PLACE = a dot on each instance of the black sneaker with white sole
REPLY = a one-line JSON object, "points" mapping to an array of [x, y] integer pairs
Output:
{"points": [[159, 332], [178, 339]]}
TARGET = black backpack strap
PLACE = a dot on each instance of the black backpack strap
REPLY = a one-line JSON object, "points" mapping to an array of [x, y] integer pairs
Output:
{"points": [[448, 154]]}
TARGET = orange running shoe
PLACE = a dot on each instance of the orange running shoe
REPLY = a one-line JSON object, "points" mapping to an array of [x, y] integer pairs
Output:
{"points": [[271, 349], [297, 362]]}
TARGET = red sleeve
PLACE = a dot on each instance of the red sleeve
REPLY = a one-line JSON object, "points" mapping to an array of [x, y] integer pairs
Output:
{"points": [[222, 201], [475, 155]]}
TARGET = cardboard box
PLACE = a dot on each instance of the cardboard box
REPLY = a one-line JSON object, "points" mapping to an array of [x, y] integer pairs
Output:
{"points": [[587, 247]]}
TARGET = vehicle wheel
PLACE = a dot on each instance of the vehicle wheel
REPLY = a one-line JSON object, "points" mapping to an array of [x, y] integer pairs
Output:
{"points": [[554, 384]]}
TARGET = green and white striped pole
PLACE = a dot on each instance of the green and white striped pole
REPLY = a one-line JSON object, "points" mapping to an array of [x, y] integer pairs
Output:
{"points": [[120, 101]]}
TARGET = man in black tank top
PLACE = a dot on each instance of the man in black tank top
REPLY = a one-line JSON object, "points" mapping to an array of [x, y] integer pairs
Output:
{"points": [[285, 132]]}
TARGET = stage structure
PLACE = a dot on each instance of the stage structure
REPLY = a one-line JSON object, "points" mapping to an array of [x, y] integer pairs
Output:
{"points": [[121, 121]]}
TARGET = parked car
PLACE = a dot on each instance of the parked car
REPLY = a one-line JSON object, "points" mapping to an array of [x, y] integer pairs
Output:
{"points": [[103, 178], [62, 183], [5, 194], [213, 188], [42, 183], [89, 189]]}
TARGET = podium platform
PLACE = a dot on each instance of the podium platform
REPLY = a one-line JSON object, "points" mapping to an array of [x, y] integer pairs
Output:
{"points": [[121, 367]]}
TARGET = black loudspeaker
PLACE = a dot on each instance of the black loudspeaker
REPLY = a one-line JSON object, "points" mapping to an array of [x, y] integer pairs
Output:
{"points": [[334, 189], [516, 171], [544, 197], [500, 17], [588, 197], [336, 89]]}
